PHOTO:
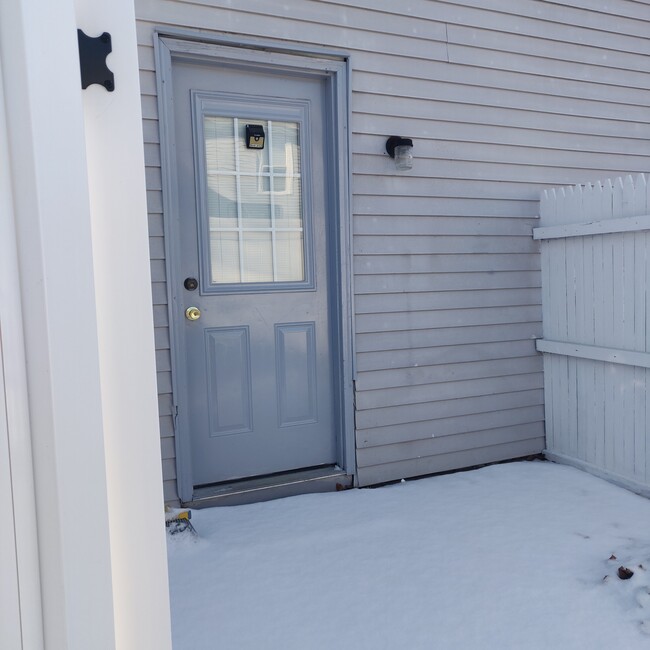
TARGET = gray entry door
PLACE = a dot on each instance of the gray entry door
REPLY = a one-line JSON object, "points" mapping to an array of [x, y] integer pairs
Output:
{"points": [[257, 390]]}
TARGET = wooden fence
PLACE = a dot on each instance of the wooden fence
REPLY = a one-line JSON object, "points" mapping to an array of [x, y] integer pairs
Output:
{"points": [[596, 323]]}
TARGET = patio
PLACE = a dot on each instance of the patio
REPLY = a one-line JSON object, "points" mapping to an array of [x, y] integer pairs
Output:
{"points": [[519, 555]]}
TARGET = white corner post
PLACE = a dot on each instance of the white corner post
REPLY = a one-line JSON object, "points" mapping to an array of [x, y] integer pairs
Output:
{"points": [[93, 568], [115, 154], [20, 587]]}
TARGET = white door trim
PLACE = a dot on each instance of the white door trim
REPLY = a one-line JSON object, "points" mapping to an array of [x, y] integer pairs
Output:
{"points": [[173, 46]]}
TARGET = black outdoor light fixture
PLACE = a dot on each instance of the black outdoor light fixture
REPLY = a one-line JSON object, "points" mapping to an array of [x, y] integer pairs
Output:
{"points": [[401, 150], [254, 136]]}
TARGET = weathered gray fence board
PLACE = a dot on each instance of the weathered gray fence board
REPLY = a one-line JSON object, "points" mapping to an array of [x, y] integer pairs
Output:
{"points": [[595, 321]]}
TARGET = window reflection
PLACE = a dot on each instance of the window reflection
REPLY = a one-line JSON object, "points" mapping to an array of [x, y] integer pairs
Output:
{"points": [[254, 202]]}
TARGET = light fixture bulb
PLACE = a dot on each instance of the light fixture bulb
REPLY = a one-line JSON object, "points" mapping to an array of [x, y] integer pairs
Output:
{"points": [[401, 150], [404, 157]]}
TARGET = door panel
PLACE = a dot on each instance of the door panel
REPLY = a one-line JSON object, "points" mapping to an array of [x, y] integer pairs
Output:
{"points": [[257, 395], [295, 354], [228, 376]]}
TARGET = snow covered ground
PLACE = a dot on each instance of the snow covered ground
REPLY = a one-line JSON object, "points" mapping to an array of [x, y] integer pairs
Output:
{"points": [[518, 556]]}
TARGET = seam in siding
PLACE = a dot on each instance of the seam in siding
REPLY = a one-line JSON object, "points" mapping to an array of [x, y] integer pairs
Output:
{"points": [[447, 40]]}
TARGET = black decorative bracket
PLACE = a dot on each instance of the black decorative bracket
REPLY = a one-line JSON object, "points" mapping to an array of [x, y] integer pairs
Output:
{"points": [[92, 57]]}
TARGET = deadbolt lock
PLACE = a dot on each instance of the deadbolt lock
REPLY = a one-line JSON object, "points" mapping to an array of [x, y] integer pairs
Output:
{"points": [[191, 284], [192, 313]]}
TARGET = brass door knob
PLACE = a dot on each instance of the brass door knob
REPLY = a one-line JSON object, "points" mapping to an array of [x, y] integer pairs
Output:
{"points": [[192, 313]]}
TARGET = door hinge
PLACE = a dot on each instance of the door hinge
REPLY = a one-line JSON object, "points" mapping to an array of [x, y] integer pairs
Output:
{"points": [[92, 60]]}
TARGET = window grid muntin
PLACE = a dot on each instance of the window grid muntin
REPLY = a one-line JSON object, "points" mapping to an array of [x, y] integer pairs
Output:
{"points": [[273, 229]]}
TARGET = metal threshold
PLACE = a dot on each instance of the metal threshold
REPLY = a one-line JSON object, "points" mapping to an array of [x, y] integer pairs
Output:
{"points": [[275, 486]]}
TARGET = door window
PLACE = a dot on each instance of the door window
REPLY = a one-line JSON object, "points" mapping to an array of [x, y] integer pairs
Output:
{"points": [[254, 202]]}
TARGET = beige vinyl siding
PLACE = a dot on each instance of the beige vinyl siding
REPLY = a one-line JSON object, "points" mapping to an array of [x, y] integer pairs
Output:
{"points": [[502, 98]]}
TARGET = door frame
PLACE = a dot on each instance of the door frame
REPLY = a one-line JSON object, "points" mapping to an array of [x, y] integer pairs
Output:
{"points": [[181, 45]]}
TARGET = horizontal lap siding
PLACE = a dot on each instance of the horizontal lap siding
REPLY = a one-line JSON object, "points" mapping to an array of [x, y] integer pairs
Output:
{"points": [[503, 98]]}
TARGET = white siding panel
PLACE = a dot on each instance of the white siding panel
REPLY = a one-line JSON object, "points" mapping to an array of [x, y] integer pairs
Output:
{"points": [[438, 410], [390, 322], [451, 426], [322, 13], [458, 263], [167, 448], [151, 136], [444, 462], [446, 391], [503, 98], [538, 65], [424, 244], [412, 358], [435, 446], [449, 281], [375, 342], [169, 491], [159, 293], [427, 206], [472, 171], [447, 372], [359, 38], [438, 226], [500, 79], [547, 49], [371, 124], [609, 107], [377, 303], [538, 118], [565, 21]]}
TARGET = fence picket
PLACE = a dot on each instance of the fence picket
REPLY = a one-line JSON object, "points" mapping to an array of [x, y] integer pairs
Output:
{"points": [[627, 336]]}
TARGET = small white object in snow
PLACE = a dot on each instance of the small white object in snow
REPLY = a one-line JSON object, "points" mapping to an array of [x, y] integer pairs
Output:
{"points": [[643, 597]]}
